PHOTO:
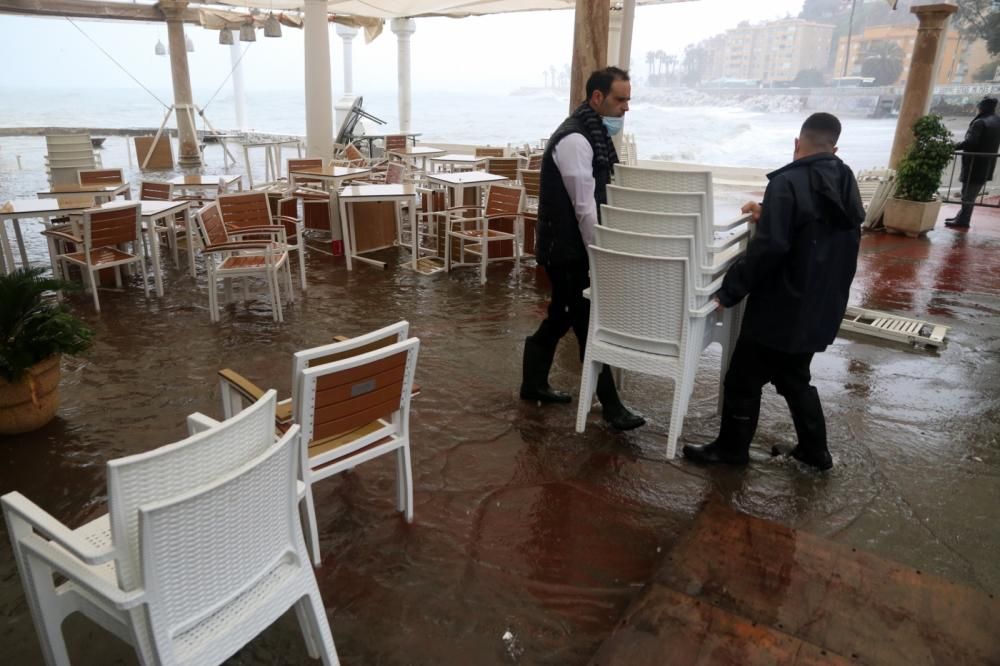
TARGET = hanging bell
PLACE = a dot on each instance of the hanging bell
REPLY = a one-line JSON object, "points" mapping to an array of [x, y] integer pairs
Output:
{"points": [[226, 36], [160, 49], [272, 28], [247, 33]]}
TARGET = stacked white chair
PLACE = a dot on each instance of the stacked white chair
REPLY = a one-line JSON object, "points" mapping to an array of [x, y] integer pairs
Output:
{"points": [[201, 549], [66, 155], [640, 320]]}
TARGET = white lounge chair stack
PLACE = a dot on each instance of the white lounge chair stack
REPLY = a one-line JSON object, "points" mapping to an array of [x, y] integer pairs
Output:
{"points": [[67, 155], [664, 214]]}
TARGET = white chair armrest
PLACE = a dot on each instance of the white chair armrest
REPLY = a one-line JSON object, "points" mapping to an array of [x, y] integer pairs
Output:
{"points": [[198, 422], [80, 574], [705, 310], [743, 218], [21, 508]]}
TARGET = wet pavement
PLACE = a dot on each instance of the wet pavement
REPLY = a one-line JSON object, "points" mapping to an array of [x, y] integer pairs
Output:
{"points": [[530, 541]]}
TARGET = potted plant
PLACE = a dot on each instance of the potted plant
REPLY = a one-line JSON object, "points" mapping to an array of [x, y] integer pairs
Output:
{"points": [[914, 208], [34, 332]]}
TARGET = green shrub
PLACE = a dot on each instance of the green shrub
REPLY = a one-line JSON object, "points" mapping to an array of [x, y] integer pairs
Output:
{"points": [[32, 326], [918, 174]]}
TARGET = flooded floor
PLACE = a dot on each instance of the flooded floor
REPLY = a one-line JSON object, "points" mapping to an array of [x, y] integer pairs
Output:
{"points": [[529, 540]]}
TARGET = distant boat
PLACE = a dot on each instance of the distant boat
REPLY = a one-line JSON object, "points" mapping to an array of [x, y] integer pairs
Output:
{"points": [[97, 141]]}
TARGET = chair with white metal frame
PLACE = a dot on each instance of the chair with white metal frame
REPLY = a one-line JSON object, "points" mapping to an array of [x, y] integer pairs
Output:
{"points": [[502, 203], [104, 231], [112, 569]]}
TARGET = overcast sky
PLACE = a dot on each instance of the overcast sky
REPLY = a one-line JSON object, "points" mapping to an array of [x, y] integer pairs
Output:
{"points": [[496, 53]]}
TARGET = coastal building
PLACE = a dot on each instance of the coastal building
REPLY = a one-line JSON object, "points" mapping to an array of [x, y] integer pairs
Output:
{"points": [[960, 58], [771, 51]]}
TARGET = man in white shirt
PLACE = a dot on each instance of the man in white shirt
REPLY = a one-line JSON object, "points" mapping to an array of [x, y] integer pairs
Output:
{"points": [[576, 170]]}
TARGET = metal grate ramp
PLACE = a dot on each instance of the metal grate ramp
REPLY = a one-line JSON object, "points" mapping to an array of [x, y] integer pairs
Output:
{"points": [[892, 327]]}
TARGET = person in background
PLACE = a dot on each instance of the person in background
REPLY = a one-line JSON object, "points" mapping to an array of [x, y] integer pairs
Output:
{"points": [[796, 275], [983, 136], [576, 169]]}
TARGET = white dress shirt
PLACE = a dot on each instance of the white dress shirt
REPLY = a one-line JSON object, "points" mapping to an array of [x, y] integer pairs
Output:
{"points": [[574, 157]]}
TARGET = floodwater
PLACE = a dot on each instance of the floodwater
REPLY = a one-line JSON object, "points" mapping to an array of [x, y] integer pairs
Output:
{"points": [[530, 540]]}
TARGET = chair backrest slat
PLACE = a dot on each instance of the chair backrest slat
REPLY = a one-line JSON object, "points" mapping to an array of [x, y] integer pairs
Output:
{"points": [[504, 166], [394, 173], [531, 179], [213, 230], [657, 201], [489, 151], [101, 177], [503, 199], [534, 162], [668, 180], [113, 226], [245, 210], [395, 142], [149, 191], [178, 468], [295, 163]]}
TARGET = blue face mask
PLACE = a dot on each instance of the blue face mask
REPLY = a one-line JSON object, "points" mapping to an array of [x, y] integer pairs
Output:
{"points": [[613, 125]]}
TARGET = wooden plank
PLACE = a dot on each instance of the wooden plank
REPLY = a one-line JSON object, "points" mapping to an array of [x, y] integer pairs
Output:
{"points": [[845, 600]]}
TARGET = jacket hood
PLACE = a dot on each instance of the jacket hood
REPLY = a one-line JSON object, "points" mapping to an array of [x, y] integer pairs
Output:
{"points": [[834, 184]]}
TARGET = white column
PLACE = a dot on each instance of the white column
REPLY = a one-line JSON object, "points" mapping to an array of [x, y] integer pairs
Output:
{"points": [[239, 93], [403, 27], [614, 36], [319, 93], [625, 41], [347, 34]]}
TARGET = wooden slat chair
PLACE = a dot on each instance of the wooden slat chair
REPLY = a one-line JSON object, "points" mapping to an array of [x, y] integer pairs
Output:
{"points": [[237, 391], [489, 151], [531, 180], [160, 156], [357, 409], [150, 191], [103, 177], [176, 229], [104, 232], [243, 210], [534, 162], [504, 207], [395, 142], [315, 198], [504, 166], [315, 186], [226, 256]]}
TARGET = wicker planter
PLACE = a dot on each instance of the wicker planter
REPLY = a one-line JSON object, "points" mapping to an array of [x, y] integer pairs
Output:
{"points": [[29, 404], [912, 218]]}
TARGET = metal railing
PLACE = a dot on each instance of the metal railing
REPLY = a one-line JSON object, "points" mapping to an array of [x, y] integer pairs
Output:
{"points": [[953, 192]]}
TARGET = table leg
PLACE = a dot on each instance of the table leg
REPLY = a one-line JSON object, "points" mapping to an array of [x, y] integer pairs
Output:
{"points": [[411, 212], [154, 251], [6, 256], [191, 239], [246, 162], [348, 248], [20, 244]]}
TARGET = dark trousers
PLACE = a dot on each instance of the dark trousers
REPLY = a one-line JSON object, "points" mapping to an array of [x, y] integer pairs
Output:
{"points": [[970, 191], [570, 310], [754, 365]]}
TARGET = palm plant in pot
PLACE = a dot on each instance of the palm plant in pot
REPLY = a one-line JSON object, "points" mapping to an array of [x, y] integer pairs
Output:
{"points": [[34, 332], [914, 208]]}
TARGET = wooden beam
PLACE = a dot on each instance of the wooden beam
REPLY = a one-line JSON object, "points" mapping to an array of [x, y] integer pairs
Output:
{"points": [[590, 46], [90, 10]]}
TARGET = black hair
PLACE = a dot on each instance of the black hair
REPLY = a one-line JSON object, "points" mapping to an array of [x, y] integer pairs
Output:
{"points": [[603, 78], [821, 129], [988, 103]]}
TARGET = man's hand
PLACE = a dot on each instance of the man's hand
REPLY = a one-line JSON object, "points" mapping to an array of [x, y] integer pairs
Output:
{"points": [[754, 209], [719, 307]]}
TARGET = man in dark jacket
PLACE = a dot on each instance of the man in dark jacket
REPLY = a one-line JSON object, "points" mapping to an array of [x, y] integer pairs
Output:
{"points": [[983, 136], [797, 274], [576, 169]]}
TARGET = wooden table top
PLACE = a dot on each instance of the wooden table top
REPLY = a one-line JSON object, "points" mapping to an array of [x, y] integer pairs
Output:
{"points": [[465, 178], [376, 191]]}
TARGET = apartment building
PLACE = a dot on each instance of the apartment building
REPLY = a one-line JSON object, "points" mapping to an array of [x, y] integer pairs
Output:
{"points": [[772, 51]]}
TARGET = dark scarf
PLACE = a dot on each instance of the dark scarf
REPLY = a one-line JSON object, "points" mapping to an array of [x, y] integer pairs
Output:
{"points": [[604, 151]]}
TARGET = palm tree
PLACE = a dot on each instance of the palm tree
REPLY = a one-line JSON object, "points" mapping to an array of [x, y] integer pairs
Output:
{"points": [[552, 75], [650, 60], [545, 74], [661, 56], [883, 61]]}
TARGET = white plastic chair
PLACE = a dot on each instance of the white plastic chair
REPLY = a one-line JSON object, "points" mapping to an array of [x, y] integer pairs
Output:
{"points": [[184, 607], [667, 180], [354, 410], [639, 321]]}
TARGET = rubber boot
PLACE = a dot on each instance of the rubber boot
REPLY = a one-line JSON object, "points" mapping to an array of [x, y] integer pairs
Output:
{"points": [[535, 367], [612, 409], [810, 427], [962, 220], [732, 446]]}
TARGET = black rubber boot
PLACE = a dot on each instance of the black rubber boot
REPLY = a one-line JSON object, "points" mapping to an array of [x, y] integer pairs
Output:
{"points": [[535, 367], [962, 220], [612, 409], [732, 446], [810, 427]]}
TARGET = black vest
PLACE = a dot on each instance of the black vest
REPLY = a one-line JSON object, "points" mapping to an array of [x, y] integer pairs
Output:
{"points": [[558, 241]]}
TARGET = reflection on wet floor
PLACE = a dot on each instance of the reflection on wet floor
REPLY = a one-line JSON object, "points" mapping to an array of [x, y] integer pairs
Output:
{"points": [[530, 541]]}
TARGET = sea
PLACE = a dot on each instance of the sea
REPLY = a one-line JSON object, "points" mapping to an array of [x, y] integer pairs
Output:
{"points": [[727, 133]]}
